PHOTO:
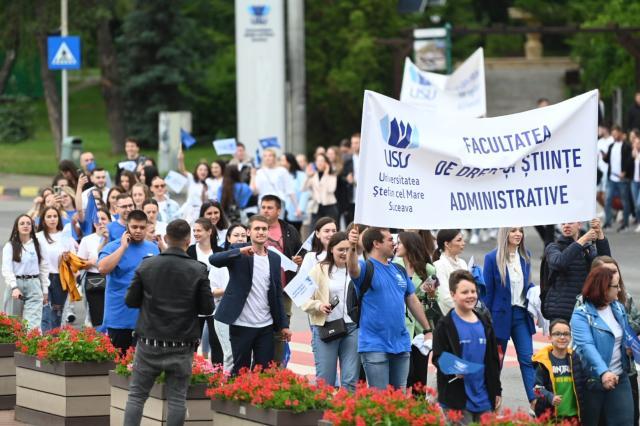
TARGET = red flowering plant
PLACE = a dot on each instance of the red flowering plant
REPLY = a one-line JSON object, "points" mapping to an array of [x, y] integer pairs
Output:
{"points": [[11, 328], [519, 418], [67, 344], [202, 371], [275, 388], [370, 406]]}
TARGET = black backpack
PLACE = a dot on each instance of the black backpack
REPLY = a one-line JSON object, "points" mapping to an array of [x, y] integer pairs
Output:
{"points": [[547, 279], [354, 302]]}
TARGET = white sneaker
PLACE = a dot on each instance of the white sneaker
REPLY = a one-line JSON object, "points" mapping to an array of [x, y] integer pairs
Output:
{"points": [[637, 229], [475, 239]]}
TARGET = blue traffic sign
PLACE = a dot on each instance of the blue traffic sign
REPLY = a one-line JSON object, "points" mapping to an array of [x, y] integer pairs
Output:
{"points": [[64, 53]]}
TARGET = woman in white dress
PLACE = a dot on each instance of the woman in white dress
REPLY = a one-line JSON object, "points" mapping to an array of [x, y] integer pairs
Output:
{"points": [[275, 180]]}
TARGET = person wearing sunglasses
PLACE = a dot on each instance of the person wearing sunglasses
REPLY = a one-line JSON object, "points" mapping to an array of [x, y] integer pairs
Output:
{"points": [[168, 209], [600, 330]]}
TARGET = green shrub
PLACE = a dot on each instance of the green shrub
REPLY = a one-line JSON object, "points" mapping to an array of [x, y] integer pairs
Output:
{"points": [[16, 119]]}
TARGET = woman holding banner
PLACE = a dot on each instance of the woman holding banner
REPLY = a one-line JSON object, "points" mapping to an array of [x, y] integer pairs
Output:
{"points": [[327, 310], [507, 271], [600, 332]]}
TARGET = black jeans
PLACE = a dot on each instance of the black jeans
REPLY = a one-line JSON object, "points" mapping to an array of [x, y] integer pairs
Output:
{"points": [[246, 341], [121, 338], [214, 342], [95, 300], [148, 363]]}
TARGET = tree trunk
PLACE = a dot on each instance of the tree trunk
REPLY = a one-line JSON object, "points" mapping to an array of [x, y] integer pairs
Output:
{"points": [[11, 53], [7, 66], [110, 85], [49, 83]]}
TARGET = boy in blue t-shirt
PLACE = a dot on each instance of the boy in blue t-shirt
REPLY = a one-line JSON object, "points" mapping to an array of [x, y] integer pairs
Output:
{"points": [[469, 335]]}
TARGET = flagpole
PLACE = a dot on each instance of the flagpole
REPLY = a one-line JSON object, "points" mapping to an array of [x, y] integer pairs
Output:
{"points": [[64, 31]]}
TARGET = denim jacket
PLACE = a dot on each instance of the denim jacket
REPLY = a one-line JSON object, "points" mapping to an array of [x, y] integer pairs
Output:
{"points": [[594, 339]]}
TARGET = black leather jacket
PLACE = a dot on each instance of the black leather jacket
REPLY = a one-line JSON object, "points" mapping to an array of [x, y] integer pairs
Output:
{"points": [[171, 290]]}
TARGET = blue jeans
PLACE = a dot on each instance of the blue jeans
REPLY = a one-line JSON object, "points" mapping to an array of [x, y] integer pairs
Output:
{"points": [[621, 189], [52, 312], [383, 369], [327, 354], [523, 342], [614, 407], [148, 363], [635, 191]]}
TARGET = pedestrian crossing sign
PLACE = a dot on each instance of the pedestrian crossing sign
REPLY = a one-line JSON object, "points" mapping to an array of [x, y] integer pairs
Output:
{"points": [[64, 53]]}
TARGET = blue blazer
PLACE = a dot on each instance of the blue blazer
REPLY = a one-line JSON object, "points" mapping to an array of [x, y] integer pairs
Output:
{"points": [[240, 281], [498, 296]]}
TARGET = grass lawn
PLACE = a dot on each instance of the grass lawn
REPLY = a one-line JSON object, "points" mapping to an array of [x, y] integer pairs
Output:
{"points": [[87, 120]]}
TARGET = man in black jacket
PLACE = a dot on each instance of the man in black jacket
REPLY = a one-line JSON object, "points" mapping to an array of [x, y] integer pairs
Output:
{"points": [[569, 261], [171, 290]]}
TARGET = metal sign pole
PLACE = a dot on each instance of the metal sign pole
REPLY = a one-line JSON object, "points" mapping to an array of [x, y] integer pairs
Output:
{"points": [[64, 31]]}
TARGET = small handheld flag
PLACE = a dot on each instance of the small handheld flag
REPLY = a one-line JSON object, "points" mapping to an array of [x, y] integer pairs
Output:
{"points": [[187, 140], [451, 364]]}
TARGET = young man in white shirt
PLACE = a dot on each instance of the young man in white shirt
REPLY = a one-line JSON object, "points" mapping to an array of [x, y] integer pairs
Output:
{"points": [[252, 304]]}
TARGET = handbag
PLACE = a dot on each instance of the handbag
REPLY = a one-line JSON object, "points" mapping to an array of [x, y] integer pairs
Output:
{"points": [[332, 330], [94, 282]]}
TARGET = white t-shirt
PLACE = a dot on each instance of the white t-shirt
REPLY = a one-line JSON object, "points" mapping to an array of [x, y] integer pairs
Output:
{"points": [[603, 146], [212, 188], [636, 170], [309, 260], [256, 312], [338, 282], [52, 252], [616, 356], [276, 181], [615, 162], [89, 249]]}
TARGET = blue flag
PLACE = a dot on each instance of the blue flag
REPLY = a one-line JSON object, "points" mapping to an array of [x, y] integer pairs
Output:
{"points": [[90, 215], [451, 364], [187, 140], [258, 160], [286, 356], [271, 142], [632, 342]]}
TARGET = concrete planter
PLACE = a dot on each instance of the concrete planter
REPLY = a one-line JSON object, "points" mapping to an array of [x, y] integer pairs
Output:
{"points": [[62, 393], [231, 413], [156, 408], [7, 376]]}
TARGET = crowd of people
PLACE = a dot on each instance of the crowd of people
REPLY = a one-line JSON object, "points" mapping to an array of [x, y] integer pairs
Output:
{"points": [[384, 300]]}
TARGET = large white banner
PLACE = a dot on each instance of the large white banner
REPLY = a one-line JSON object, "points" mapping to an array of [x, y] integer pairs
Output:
{"points": [[260, 71], [433, 172], [461, 93]]}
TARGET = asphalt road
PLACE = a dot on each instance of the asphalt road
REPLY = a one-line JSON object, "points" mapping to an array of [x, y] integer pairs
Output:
{"points": [[625, 249]]}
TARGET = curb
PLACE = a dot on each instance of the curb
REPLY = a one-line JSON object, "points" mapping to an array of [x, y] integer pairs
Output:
{"points": [[24, 191]]}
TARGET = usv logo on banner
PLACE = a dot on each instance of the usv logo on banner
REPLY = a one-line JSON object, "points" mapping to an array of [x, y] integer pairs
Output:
{"points": [[259, 14], [400, 136], [461, 93]]}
